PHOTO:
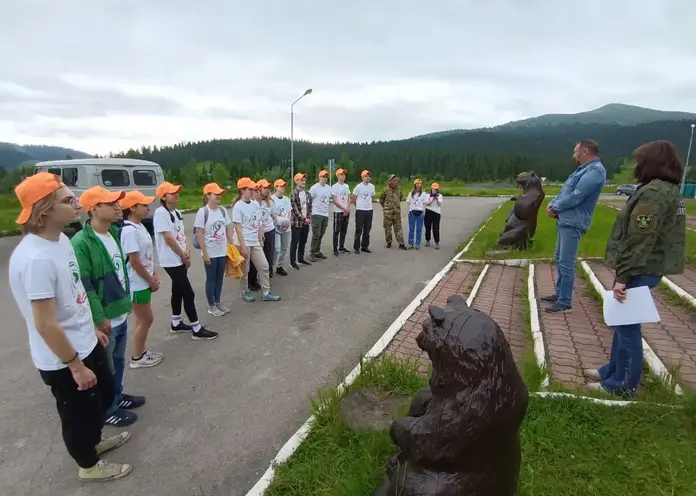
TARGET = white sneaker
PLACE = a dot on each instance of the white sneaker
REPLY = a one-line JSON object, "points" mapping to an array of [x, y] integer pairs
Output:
{"points": [[592, 374], [596, 386], [215, 312], [149, 359], [222, 308]]}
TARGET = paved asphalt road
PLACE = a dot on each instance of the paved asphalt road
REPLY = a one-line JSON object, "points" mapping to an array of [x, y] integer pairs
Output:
{"points": [[218, 411]]}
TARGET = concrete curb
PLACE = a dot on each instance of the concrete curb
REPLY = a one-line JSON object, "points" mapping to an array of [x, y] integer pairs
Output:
{"points": [[537, 336], [680, 291]]}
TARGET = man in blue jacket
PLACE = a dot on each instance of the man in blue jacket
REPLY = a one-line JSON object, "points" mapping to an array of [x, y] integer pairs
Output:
{"points": [[573, 208]]}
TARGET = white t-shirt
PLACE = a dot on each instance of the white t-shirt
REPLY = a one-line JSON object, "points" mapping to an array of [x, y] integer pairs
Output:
{"points": [[249, 216], [119, 266], [136, 239], [303, 203], [364, 194], [341, 193], [417, 201], [162, 222], [283, 210], [214, 230], [435, 207], [266, 217], [320, 199], [41, 269]]}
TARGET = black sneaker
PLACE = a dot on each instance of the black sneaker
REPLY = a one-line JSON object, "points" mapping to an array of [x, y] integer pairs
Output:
{"points": [[403, 247], [281, 271], [120, 418], [388, 245], [556, 308], [180, 327], [335, 253], [295, 266], [320, 255], [303, 262], [343, 250], [366, 250], [203, 334], [357, 251], [549, 299], [129, 401]]}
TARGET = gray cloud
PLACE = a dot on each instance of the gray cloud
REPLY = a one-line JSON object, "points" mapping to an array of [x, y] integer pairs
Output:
{"points": [[379, 70]]}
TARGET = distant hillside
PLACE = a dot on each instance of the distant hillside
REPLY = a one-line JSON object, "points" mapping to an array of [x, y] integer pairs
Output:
{"points": [[613, 114], [13, 155]]}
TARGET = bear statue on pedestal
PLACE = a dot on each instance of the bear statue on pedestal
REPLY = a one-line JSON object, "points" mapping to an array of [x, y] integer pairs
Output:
{"points": [[461, 436], [521, 223]]}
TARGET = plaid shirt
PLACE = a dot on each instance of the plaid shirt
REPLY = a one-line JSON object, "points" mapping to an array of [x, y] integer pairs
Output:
{"points": [[297, 219]]}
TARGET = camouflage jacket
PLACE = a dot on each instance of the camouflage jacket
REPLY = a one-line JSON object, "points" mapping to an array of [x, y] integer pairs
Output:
{"points": [[649, 235], [391, 199]]}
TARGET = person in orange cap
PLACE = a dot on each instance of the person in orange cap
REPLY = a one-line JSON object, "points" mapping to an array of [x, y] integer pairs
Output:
{"points": [[65, 347], [140, 264], [301, 203], [99, 254], [416, 212], [174, 255], [282, 211], [363, 194], [433, 213], [246, 216], [340, 193], [268, 227], [213, 233], [321, 194]]}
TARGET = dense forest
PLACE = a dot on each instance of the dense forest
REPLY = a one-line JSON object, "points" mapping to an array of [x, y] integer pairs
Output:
{"points": [[472, 156]]}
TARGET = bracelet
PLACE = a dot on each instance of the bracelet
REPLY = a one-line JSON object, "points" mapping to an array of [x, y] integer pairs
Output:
{"points": [[72, 359]]}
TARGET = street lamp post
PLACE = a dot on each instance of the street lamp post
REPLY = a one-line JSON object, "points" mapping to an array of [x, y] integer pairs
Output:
{"points": [[688, 155], [292, 133]]}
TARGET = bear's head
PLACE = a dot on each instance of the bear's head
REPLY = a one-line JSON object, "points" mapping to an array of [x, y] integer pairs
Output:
{"points": [[528, 181]]}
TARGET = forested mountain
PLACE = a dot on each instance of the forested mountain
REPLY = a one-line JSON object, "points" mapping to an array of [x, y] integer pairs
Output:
{"points": [[13, 155], [479, 155]]}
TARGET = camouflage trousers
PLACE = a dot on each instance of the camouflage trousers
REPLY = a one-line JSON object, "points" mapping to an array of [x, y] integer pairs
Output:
{"points": [[393, 220]]}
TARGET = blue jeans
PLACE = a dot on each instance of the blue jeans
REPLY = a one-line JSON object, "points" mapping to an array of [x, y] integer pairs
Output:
{"points": [[116, 353], [415, 223], [621, 375], [214, 275], [567, 243]]}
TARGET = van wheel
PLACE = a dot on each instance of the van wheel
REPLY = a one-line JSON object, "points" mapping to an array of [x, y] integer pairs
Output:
{"points": [[149, 226]]}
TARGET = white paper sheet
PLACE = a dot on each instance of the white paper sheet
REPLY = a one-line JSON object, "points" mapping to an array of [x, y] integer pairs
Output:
{"points": [[637, 308]]}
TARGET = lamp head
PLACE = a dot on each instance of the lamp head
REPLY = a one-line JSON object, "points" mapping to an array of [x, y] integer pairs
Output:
{"points": [[693, 126], [308, 92]]}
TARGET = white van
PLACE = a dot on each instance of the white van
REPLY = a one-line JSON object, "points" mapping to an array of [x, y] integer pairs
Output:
{"points": [[111, 173]]}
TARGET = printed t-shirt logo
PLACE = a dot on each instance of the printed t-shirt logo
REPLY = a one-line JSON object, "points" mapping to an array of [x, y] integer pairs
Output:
{"points": [[78, 290], [217, 230], [117, 262], [254, 219]]}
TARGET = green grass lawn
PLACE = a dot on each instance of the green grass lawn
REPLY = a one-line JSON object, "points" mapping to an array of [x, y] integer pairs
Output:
{"points": [[569, 446], [592, 244]]}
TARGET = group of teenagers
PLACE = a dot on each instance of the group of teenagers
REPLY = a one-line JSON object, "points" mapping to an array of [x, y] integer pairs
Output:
{"points": [[76, 295]]}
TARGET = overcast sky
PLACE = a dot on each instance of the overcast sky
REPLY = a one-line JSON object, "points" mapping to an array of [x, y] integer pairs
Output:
{"points": [[105, 75]]}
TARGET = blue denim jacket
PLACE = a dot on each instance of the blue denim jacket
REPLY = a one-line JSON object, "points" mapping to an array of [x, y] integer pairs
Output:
{"points": [[578, 197]]}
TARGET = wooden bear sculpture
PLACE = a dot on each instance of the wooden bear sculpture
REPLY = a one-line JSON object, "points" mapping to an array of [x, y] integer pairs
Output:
{"points": [[461, 435], [521, 223]]}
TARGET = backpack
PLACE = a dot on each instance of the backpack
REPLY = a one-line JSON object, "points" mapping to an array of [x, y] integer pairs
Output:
{"points": [[206, 211]]}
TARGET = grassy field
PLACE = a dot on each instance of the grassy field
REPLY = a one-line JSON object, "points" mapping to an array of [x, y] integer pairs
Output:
{"points": [[569, 446], [592, 244]]}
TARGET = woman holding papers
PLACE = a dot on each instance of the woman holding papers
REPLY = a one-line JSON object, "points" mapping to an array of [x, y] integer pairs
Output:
{"points": [[648, 240]]}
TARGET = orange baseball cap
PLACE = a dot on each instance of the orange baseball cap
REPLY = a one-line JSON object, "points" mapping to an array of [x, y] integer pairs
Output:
{"points": [[214, 189], [33, 189], [280, 182], [324, 173], [134, 198], [417, 181], [365, 173], [246, 183], [262, 183], [166, 187], [435, 186], [96, 195], [299, 175], [341, 171]]}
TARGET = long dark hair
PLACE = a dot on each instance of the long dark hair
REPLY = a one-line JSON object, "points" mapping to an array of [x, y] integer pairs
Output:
{"points": [[171, 216]]}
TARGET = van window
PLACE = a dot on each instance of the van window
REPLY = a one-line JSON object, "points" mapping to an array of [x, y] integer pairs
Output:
{"points": [[70, 176], [144, 178], [115, 178]]}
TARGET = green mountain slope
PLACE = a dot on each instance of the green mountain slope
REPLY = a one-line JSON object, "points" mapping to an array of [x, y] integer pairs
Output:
{"points": [[13, 155]]}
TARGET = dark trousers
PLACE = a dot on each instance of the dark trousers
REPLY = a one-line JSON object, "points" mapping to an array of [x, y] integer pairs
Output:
{"points": [[298, 241], [363, 225], [82, 413], [340, 228], [432, 221], [269, 251], [182, 292]]}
